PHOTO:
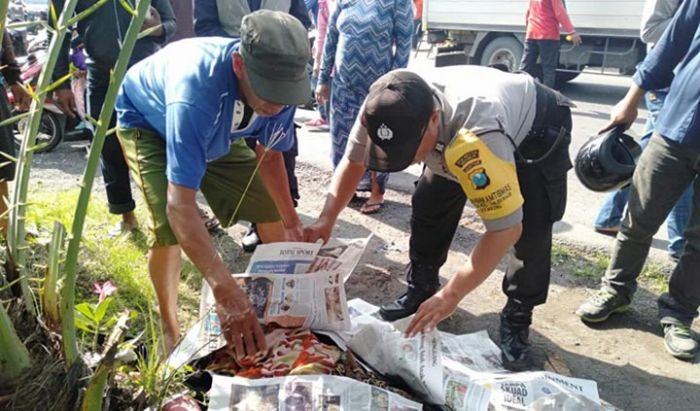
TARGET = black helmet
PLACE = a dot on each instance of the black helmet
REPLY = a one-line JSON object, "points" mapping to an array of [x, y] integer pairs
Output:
{"points": [[606, 162]]}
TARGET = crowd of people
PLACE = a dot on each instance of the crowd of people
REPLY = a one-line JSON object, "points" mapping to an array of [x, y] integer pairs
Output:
{"points": [[204, 113]]}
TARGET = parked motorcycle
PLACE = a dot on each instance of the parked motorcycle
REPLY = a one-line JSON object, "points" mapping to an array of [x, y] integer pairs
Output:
{"points": [[55, 126]]}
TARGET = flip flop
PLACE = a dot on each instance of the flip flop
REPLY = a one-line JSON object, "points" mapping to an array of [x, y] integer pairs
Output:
{"points": [[373, 208]]}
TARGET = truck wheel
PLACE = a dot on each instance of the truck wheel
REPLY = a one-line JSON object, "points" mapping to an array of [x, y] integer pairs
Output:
{"points": [[504, 50]]}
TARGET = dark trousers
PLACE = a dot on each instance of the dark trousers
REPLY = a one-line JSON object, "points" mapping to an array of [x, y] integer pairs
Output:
{"points": [[548, 52], [115, 172], [438, 203], [662, 175], [7, 139]]}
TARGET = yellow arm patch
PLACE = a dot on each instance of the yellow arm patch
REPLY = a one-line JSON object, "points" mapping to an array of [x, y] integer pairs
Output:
{"points": [[490, 183]]}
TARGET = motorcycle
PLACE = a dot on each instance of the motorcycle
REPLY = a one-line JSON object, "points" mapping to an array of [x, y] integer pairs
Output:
{"points": [[55, 126]]}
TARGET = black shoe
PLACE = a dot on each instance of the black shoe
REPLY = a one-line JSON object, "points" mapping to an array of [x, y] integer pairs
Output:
{"points": [[251, 240], [515, 330], [423, 283]]}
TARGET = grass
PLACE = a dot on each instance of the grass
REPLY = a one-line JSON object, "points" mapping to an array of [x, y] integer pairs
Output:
{"points": [[591, 265], [121, 259]]}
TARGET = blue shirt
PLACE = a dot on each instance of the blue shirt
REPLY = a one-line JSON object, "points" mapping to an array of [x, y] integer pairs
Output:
{"points": [[679, 119], [187, 93]]}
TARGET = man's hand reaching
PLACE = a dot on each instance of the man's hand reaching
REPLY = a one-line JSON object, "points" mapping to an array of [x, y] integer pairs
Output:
{"points": [[238, 321]]}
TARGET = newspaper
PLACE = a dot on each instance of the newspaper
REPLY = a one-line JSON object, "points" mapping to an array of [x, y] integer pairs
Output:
{"points": [[293, 285], [416, 360], [339, 256], [464, 372], [303, 393]]}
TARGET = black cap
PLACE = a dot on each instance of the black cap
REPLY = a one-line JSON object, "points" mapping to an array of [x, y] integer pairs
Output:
{"points": [[396, 114]]}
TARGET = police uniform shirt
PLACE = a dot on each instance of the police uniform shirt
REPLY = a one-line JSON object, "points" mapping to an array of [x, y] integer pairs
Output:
{"points": [[484, 114]]}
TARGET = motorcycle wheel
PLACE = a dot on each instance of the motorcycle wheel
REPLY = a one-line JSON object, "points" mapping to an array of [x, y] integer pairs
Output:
{"points": [[50, 132]]}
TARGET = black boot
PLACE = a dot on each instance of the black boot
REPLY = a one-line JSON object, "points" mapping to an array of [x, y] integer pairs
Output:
{"points": [[515, 330], [423, 282]]}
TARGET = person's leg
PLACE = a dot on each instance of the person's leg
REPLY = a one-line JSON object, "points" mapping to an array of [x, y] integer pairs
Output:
{"points": [[610, 212], [549, 59], [115, 171], [7, 166], [145, 156], [345, 105], [164, 266], [224, 187], [437, 207], [661, 176], [375, 202], [677, 222], [528, 63], [679, 306]]}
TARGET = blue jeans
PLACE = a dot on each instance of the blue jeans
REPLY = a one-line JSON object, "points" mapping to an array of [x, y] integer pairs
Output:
{"points": [[613, 207]]}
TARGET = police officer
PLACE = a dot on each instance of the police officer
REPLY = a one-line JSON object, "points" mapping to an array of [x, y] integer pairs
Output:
{"points": [[498, 139]]}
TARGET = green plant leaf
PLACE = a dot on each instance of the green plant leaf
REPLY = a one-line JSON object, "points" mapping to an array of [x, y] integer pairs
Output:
{"points": [[87, 310], [101, 309], [83, 323]]}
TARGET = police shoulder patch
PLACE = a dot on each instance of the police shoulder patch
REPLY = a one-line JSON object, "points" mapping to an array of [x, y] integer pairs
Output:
{"points": [[490, 183]]}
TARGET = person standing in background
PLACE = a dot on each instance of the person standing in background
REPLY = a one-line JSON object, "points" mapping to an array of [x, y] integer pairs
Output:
{"points": [[655, 18], [184, 15], [10, 77], [320, 123], [417, 22], [102, 32], [542, 21], [365, 40]]}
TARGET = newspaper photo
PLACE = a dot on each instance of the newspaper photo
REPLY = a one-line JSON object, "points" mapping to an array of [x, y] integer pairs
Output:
{"points": [[416, 360], [303, 393]]}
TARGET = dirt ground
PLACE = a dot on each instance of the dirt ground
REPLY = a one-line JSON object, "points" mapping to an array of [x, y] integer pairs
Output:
{"points": [[625, 356]]}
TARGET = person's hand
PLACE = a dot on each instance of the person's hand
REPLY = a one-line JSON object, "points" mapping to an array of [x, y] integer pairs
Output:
{"points": [[294, 233], [623, 114], [323, 93], [65, 100], [320, 229], [238, 321], [153, 20], [432, 312], [22, 98], [576, 39]]}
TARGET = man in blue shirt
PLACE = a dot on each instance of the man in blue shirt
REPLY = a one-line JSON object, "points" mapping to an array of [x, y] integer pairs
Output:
{"points": [[669, 164], [223, 19], [182, 114]]}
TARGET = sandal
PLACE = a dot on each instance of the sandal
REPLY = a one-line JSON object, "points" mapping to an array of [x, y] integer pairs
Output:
{"points": [[372, 208]]}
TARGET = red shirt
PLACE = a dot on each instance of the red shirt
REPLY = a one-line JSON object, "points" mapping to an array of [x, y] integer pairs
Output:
{"points": [[543, 19]]}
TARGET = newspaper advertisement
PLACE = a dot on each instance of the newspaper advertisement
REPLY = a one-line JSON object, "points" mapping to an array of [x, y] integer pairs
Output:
{"points": [[540, 390], [303, 393], [416, 360]]}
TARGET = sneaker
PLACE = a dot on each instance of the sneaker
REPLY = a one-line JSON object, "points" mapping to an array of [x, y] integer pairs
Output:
{"points": [[251, 240], [601, 305], [317, 125], [678, 341]]}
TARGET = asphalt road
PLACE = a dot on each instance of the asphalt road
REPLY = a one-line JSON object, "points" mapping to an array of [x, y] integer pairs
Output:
{"points": [[594, 96]]}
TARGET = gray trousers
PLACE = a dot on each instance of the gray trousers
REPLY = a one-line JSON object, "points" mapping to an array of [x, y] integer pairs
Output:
{"points": [[664, 171]]}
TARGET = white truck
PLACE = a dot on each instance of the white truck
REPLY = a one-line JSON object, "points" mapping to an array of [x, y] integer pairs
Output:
{"points": [[491, 32]]}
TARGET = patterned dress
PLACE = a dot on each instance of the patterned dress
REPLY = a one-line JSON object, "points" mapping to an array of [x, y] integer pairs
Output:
{"points": [[366, 39]]}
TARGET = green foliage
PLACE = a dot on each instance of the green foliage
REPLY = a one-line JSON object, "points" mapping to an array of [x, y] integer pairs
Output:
{"points": [[120, 259], [153, 378]]}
